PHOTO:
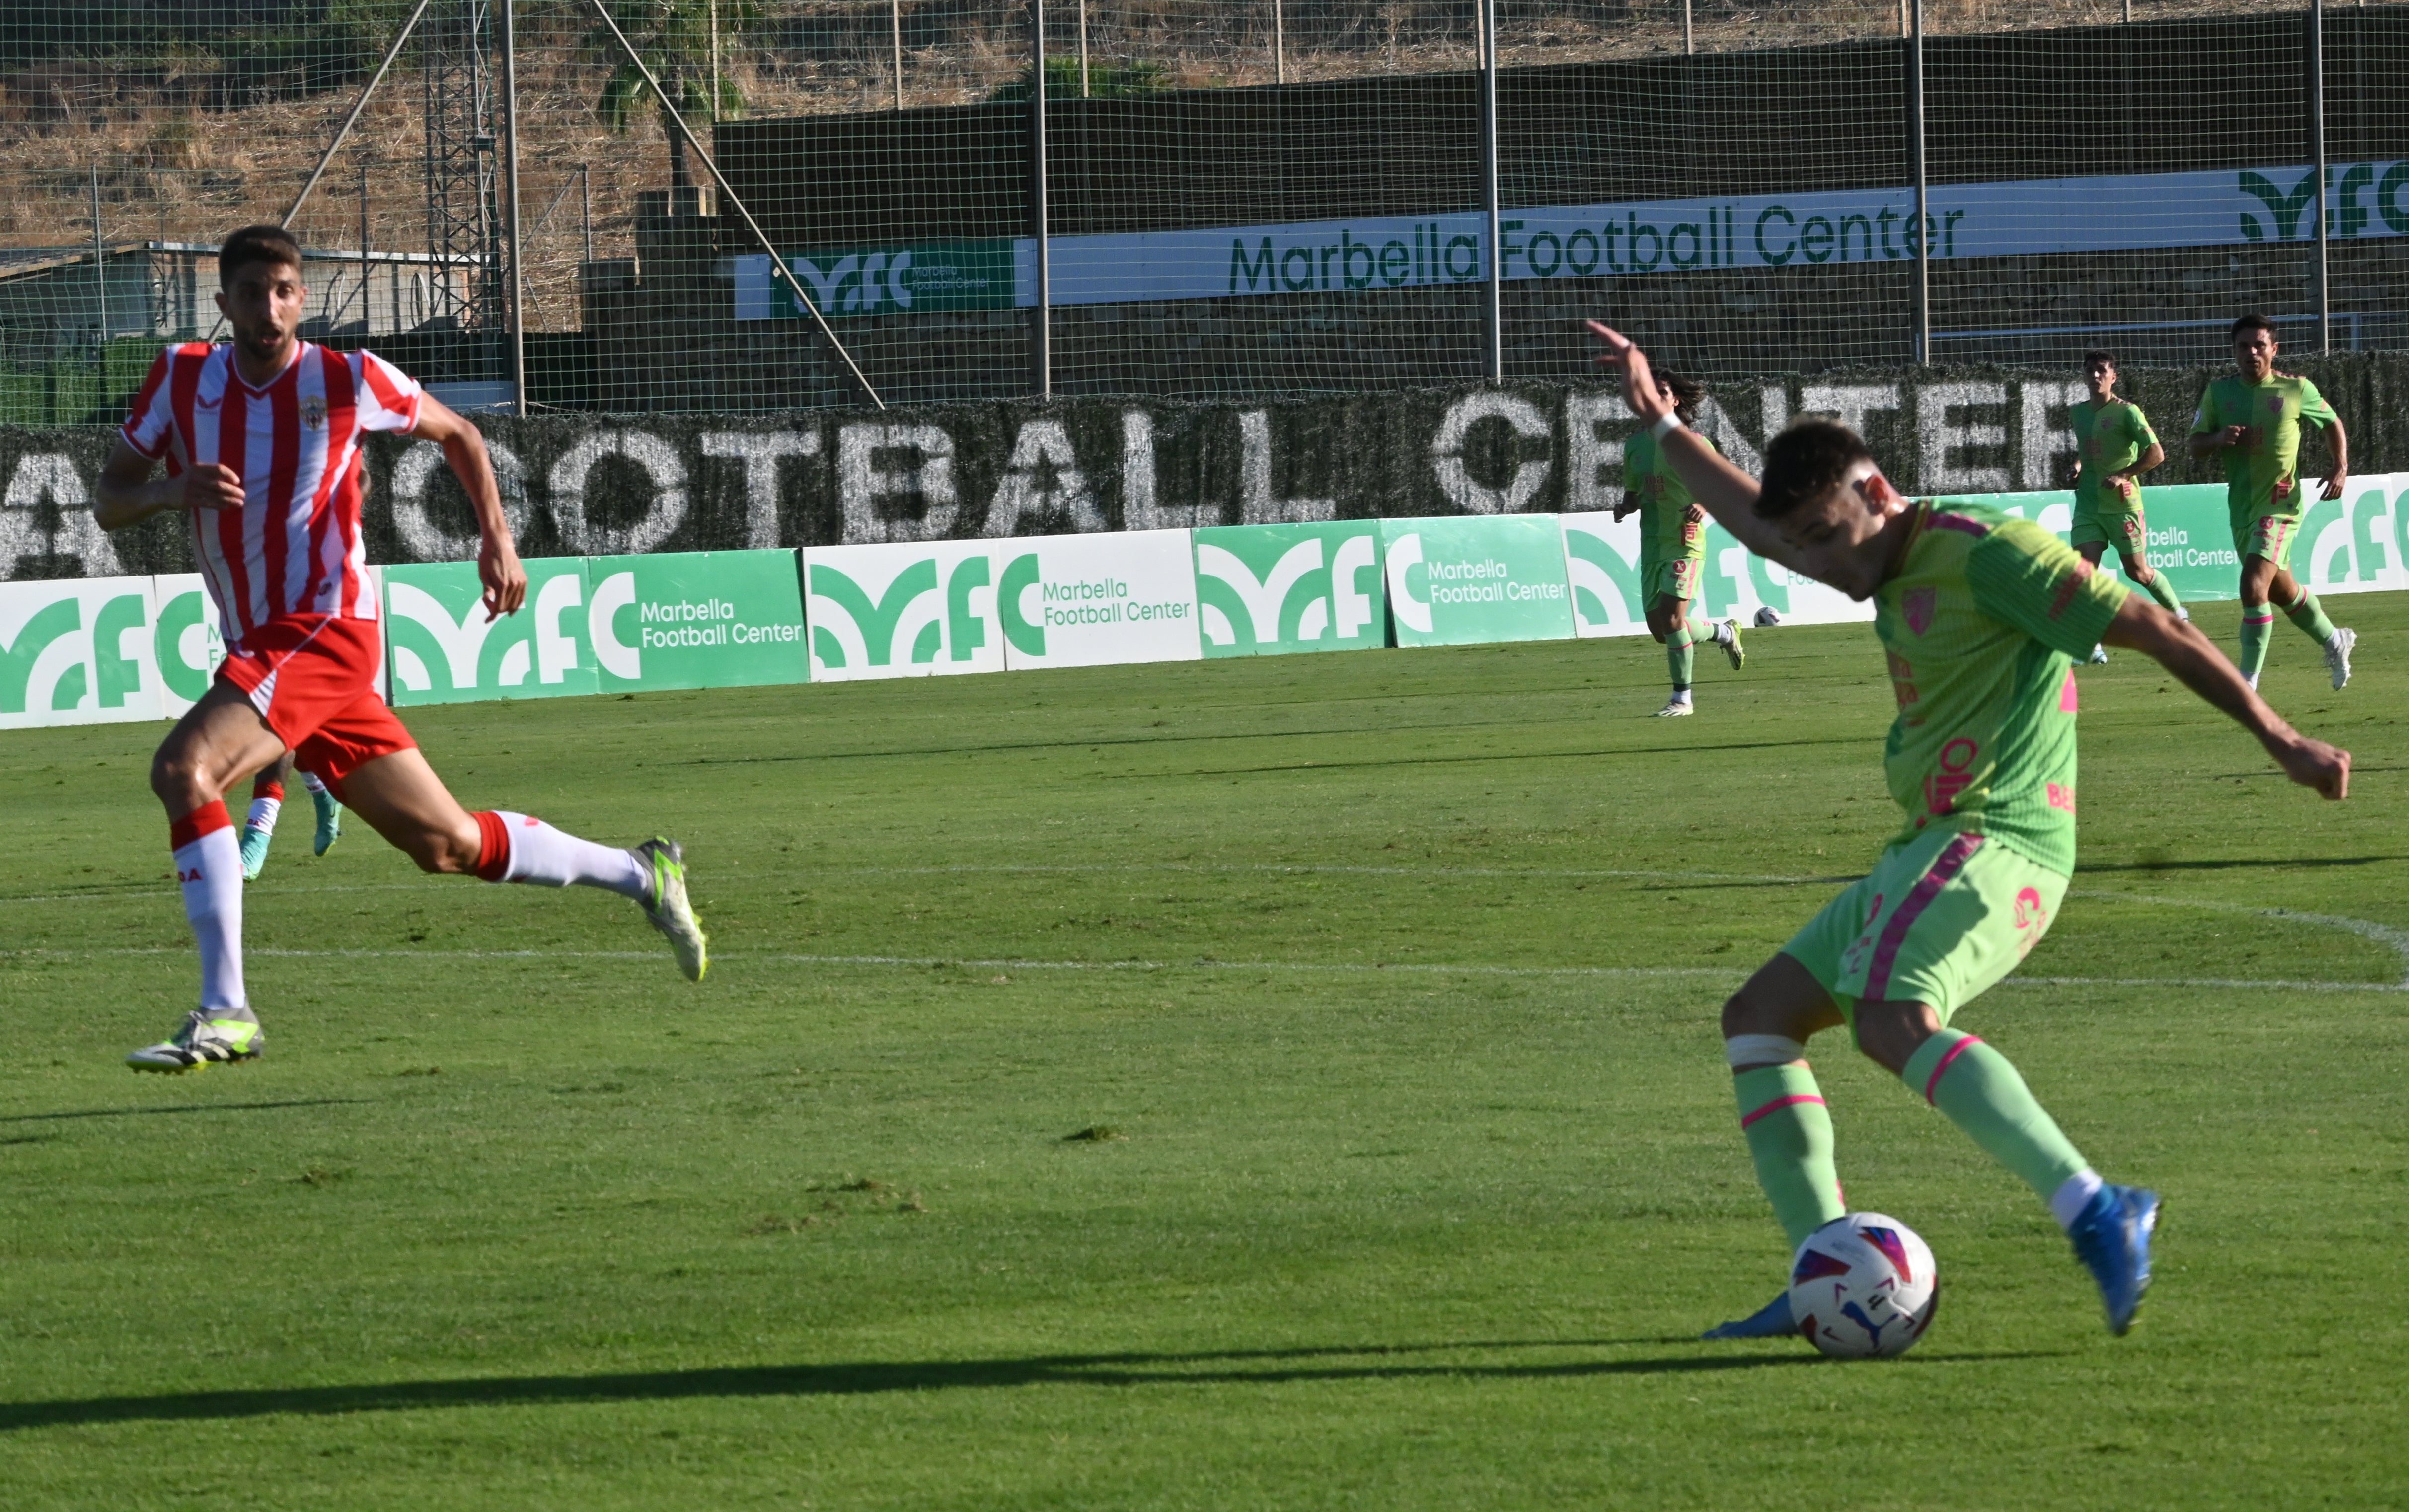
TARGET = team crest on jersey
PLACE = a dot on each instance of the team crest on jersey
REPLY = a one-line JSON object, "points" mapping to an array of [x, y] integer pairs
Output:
{"points": [[1921, 604], [313, 412]]}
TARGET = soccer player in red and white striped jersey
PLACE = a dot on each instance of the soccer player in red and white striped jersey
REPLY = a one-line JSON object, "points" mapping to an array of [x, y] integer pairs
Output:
{"points": [[261, 437]]}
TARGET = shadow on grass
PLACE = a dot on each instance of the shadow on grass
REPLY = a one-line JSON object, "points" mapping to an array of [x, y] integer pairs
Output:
{"points": [[184, 1107], [2258, 863], [1250, 1367]]}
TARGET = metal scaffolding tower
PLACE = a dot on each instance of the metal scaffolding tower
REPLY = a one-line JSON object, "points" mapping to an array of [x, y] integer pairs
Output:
{"points": [[463, 222]]}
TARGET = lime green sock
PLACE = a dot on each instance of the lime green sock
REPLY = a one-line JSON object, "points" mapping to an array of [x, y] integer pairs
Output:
{"points": [[2310, 615], [2258, 628], [1702, 632], [1790, 1137], [2164, 592], [1979, 1089], [1678, 657]]}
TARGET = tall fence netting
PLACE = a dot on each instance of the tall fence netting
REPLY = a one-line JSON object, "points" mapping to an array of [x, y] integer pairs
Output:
{"points": [[1241, 196]]}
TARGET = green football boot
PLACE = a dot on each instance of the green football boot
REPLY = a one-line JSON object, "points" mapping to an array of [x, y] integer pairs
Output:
{"points": [[254, 850], [1732, 648], [664, 864], [208, 1036], [330, 823]]}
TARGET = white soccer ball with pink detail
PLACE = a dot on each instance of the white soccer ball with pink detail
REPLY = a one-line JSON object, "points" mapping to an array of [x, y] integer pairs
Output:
{"points": [[1864, 1285]]}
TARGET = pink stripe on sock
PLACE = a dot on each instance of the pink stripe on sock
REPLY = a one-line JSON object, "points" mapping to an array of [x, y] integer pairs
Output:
{"points": [[1945, 867], [1948, 1058], [1780, 1102]]}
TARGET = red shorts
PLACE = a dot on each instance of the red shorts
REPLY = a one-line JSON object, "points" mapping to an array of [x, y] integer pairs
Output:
{"points": [[313, 679]]}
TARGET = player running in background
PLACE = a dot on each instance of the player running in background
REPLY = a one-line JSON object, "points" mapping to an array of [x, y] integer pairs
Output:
{"points": [[2117, 446], [2254, 419], [262, 441], [267, 801], [1979, 614], [1672, 548]]}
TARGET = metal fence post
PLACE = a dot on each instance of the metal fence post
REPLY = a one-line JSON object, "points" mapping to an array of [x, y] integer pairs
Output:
{"points": [[2322, 274], [511, 206], [1041, 346], [99, 263], [1922, 335], [895, 36], [1496, 321]]}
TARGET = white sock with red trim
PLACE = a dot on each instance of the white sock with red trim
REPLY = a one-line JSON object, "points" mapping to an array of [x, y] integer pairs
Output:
{"points": [[533, 852], [209, 868]]}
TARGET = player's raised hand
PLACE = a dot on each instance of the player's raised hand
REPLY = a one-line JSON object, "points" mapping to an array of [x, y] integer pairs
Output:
{"points": [[213, 487], [505, 579], [1638, 381], [2315, 764]]}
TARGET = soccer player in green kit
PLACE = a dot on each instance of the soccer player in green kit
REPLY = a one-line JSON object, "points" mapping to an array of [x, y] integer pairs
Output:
{"points": [[2254, 420], [1979, 614], [1672, 548], [2117, 446]]}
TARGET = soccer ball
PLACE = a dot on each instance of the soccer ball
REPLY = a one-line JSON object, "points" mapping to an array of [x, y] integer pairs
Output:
{"points": [[1765, 618], [1864, 1285]]}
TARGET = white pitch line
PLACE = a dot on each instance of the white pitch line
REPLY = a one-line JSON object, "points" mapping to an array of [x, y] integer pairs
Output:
{"points": [[1350, 968]]}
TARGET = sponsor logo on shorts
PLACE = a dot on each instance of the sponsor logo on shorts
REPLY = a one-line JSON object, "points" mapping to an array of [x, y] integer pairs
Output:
{"points": [[2031, 915]]}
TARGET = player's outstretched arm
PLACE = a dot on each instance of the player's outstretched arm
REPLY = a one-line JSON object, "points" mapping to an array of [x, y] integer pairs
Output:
{"points": [[127, 493], [2178, 645], [498, 556], [1723, 490]]}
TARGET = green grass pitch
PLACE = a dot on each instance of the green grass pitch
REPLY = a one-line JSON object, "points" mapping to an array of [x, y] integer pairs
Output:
{"points": [[1387, 981]]}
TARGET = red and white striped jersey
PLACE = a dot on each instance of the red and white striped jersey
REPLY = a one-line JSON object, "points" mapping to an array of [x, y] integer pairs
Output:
{"points": [[294, 548]]}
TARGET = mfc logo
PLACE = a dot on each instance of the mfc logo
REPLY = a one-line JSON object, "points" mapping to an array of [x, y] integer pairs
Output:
{"points": [[1309, 595], [933, 613], [471, 653], [50, 665], [860, 283]]}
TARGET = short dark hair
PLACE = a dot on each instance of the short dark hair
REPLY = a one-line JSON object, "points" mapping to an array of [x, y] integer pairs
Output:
{"points": [[2100, 354], [1687, 392], [256, 244], [1809, 459], [2252, 322]]}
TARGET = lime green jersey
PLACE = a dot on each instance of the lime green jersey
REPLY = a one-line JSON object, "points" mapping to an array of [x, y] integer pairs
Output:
{"points": [[2262, 478], [2112, 436], [1980, 624], [1666, 532]]}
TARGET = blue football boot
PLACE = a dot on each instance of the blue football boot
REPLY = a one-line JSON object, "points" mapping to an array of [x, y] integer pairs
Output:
{"points": [[1771, 1321], [2112, 1238]]}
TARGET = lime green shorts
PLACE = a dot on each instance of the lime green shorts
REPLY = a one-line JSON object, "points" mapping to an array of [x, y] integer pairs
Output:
{"points": [[1941, 918], [2125, 529], [2268, 535], [1674, 578]]}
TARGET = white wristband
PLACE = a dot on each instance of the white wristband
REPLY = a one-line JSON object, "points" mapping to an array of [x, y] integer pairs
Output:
{"points": [[1666, 426]]}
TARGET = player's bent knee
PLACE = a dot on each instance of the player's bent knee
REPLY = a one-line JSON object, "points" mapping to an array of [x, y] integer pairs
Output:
{"points": [[1890, 1033]]}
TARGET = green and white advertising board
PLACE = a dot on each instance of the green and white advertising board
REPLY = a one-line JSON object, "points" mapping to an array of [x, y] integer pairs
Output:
{"points": [[77, 651], [697, 620], [1458, 581], [907, 609], [1097, 600], [2351, 544], [1268, 590], [442, 649], [1602, 558], [186, 642]]}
